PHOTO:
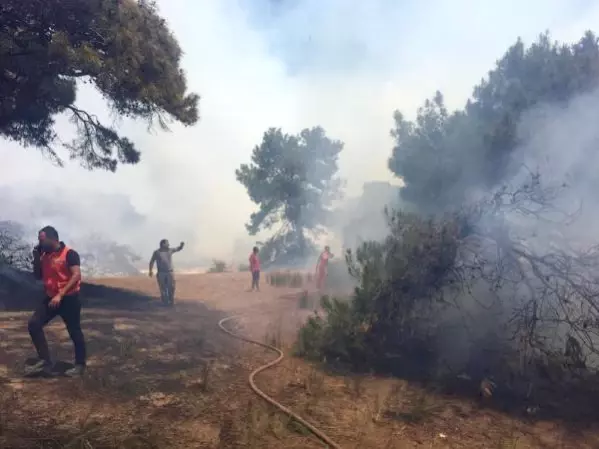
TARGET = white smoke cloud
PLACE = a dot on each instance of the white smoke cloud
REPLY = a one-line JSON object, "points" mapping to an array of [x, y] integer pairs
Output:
{"points": [[344, 65], [560, 143]]}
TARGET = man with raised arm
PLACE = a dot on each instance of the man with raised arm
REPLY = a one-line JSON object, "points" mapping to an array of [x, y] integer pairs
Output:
{"points": [[163, 258]]}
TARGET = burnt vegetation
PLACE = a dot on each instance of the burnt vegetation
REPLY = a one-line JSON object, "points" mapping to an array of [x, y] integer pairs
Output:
{"points": [[491, 294], [462, 301], [293, 180]]}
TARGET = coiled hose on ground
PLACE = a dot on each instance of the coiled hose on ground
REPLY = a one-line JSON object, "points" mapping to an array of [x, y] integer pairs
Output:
{"points": [[325, 439]]}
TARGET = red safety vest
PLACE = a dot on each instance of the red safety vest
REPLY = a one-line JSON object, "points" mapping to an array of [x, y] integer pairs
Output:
{"points": [[56, 272]]}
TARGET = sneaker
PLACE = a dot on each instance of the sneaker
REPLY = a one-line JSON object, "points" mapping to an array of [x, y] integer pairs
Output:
{"points": [[75, 371], [41, 368]]}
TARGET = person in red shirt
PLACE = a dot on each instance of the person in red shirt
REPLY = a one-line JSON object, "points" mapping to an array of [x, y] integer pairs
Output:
{"points": [[58, 266], [322, 266], [255, 269]]}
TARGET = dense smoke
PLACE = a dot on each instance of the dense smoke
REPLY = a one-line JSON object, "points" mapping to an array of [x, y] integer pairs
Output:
{"points": [[98, 227], [262, 64], [504, 287], [561, 144], [363, 218], [551, 233]]}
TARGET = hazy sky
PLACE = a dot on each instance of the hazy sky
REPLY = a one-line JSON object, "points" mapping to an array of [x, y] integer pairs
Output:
{"points": [[342, 64]]}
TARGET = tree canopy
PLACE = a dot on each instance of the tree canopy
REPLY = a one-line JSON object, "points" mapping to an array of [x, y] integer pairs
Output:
{"points": [[293, 179], [441, 156], [122, 47]]}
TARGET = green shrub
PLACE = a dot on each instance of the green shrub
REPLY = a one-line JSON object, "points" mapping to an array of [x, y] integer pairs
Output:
{"points": [[287, 279], [335, 337], [218, 266], [243, 268], [306, 301], [338, 278], [296, 280], [389, 322]]}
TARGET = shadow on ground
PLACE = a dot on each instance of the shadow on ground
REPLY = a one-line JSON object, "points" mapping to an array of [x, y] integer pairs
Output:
{"points": [[122, 328], [147, 360], [93, 295]]}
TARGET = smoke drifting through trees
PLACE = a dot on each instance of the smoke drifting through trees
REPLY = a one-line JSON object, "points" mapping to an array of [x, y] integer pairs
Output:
{"points": [[124, 49], [363, 218], [100, 256], [52, 52], [293, 180], [351, 95], [14, 251], [503, 280], [444, 158]]}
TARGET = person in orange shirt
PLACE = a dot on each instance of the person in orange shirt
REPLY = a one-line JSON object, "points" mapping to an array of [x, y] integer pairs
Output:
{"points": [[255, 269], [58, 266], [322, 266]]}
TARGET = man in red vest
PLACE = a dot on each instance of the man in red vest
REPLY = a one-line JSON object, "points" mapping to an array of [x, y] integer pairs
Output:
{"points": [[58, 266]]}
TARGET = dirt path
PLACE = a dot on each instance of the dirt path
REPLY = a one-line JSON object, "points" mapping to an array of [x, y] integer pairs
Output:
{"points": [[150, 368], [169, 378]]}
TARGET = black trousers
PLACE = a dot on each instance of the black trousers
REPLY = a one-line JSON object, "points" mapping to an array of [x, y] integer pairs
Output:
{"points": [[70, 312]]}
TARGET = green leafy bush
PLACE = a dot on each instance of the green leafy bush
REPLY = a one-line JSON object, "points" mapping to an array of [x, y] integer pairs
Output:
{"points": [[292, 279], [14, 250], [243, 268], [389, 322], [218, 266]]}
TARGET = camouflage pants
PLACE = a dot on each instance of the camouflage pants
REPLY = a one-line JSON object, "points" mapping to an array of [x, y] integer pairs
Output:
{"points": [[166, 283]]}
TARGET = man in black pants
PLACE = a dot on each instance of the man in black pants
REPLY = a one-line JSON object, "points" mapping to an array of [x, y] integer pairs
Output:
{"points": [[58, 266]]}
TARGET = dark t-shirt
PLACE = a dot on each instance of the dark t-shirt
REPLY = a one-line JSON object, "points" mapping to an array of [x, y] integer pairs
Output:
{"points": [[73, 259]]}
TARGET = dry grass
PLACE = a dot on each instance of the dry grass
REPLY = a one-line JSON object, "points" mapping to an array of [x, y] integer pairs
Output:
{"points": [[288, 278], [169, 379], [150, 374], [338, 278], [367, 412]]}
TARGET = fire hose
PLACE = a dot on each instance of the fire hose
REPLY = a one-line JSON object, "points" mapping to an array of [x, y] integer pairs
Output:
{"points": [[316, 432]]}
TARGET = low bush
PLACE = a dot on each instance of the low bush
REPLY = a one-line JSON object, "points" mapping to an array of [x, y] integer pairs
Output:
{"points": [[243, 268], [218, 266], [14, 250], [475, 297], [338, 278], [292, 279], [388, 323]]}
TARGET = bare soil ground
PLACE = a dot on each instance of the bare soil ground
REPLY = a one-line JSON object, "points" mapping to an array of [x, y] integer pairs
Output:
{"points": [[169, 378]]}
